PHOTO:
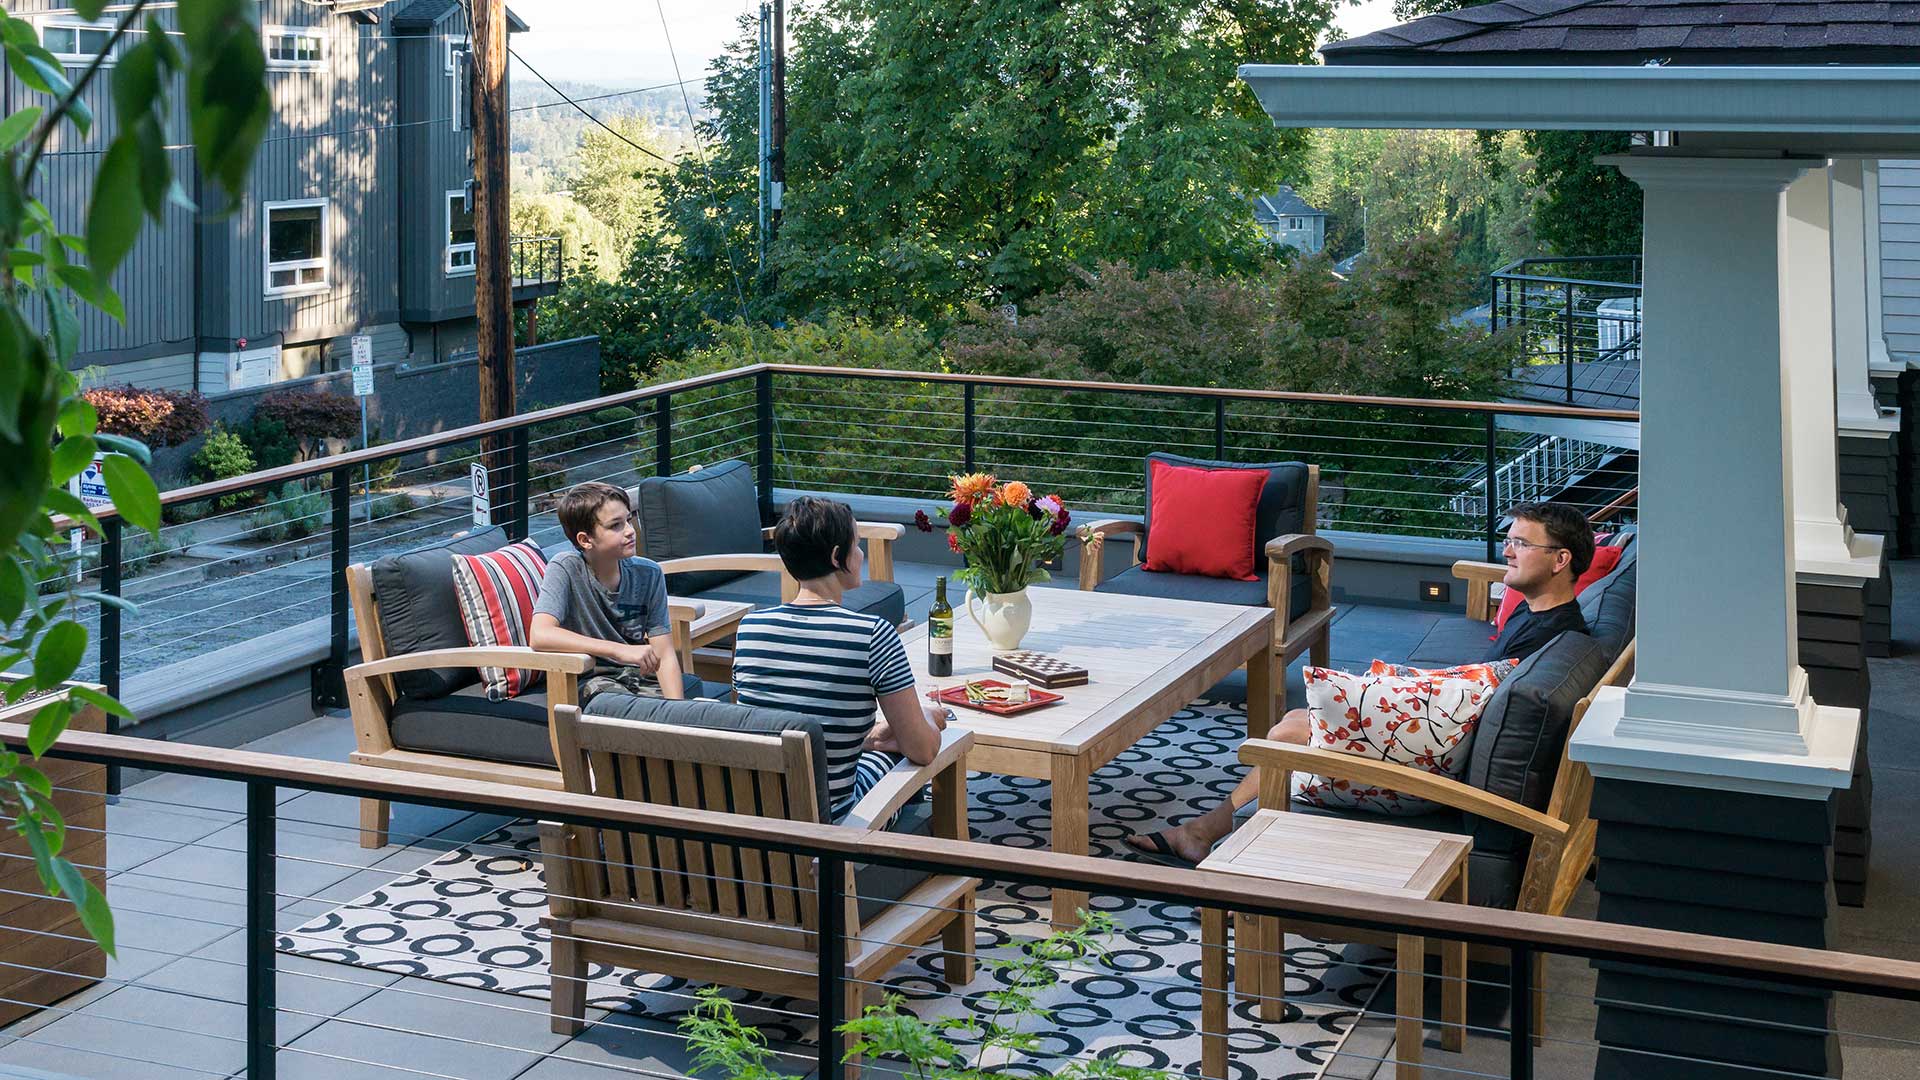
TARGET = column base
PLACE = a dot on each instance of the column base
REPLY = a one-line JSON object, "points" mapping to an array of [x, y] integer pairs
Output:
{"points": [[1835, 641]]}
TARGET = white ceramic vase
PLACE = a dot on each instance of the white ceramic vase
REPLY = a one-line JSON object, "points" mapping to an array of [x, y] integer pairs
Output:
{"points": [[1003, 617]]}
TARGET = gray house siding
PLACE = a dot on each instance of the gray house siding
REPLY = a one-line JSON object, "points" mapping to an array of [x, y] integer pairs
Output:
{"points": [[434, 162], [1900, 254]]}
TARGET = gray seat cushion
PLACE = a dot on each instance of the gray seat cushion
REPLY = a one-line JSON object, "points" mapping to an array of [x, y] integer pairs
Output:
{"points": [[883, 598], [1453, 640], [1523, 729], [715, 511], [419, 610], [1139, 581], [1282, 508], [466, 724], [1493, 877], [722, 716]]}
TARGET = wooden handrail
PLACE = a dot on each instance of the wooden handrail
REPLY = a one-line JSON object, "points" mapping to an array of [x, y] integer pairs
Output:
{"points": [[1847, 972], [1614, 507], [419, 444]]}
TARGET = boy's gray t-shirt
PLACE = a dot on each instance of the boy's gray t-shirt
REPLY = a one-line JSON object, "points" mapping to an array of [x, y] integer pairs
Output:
{"points": [[577, 601]]}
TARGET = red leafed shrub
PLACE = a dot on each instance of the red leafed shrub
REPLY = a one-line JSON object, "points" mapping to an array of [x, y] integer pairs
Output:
{"points": [[311, 417], [156, 417]]}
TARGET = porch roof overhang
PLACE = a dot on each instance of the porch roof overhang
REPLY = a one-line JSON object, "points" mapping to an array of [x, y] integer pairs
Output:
{"points": [[1844, 109]]}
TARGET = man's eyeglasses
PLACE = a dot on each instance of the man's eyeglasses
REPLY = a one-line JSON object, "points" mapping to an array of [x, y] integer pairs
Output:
{"points": [[1528, 545]]}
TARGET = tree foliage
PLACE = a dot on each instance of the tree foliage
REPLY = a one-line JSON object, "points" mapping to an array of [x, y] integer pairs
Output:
{"points": [[49, 432], [1393, 185]]}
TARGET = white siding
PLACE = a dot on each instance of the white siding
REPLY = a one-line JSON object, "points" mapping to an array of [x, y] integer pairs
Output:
{"points": [[1900, 254]]}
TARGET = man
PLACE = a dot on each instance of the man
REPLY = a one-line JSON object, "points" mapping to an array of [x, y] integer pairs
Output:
{"points": [[1548, 547], [603, 600]]}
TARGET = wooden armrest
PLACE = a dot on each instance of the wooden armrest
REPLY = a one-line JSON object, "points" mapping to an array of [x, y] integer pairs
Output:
{"points": [[1480, 577], [1266, 754], [1096, 534], [689, 611], [1284, 547], [904, 780], [878, 530], [506, 656], [745, 562]]}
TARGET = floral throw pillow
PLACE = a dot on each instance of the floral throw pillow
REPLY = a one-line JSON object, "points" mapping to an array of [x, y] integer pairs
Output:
{"points": [[1421, 721], [1493, 673]]}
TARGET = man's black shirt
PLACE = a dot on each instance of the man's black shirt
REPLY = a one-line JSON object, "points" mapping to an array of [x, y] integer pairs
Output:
{"points": [[1528, 631]]}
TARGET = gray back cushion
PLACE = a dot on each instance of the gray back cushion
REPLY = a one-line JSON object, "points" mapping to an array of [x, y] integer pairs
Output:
{"points": [[1516, 750], [1591, 596], [1283, 501], [419, 610], [722, 716], [1611, 622], [715, 511]]}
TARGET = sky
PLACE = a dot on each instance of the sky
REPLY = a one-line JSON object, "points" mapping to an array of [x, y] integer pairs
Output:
{"points": [[621, 43]]}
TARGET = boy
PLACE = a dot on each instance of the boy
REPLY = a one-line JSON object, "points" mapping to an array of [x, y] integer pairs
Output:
{"points": [[603, 600]]}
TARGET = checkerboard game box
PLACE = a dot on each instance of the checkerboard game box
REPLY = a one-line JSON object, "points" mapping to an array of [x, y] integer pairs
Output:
{"points": [[1041, 669]]}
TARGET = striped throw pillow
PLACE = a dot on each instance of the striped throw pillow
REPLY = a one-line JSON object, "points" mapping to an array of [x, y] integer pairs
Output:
{"points": [[496, 592]]}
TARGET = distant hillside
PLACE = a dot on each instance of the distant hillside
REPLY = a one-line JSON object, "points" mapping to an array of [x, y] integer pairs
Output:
{"points": [[546, 139]]}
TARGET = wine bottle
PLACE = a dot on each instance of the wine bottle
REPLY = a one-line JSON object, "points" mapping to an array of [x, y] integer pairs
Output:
{"points": [[940, 632]]}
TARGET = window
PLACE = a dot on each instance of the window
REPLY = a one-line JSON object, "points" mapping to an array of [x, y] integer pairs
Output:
{"points": [[294, 46], [296, 244], [76, 40], [460, 66], [459, 234], [1296, 224]]}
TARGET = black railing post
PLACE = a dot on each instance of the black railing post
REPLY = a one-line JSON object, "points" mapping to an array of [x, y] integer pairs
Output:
{"points": [[110, 570], [663, 435], [1567, 349], [262, 892], [1220, 429], [763, 435], [968, 433], [329, 686], [1493, 487], [522, 475], [1520, 999], [831, 889]]}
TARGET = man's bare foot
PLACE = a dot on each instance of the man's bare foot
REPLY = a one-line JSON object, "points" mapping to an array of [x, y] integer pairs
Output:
{"points": [[1180, 843]]}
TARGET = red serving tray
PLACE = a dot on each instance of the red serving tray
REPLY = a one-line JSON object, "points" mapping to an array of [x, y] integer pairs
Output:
{"points": [[957, 695]]}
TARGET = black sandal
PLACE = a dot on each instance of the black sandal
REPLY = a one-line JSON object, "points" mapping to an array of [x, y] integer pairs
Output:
{"points": [[1162, 852]]}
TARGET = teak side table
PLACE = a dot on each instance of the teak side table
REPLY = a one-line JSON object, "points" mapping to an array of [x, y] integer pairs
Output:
{"points": [[1364, 856]]}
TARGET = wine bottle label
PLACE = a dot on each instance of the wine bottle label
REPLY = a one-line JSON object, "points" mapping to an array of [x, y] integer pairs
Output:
{"points": [[939, 645]]}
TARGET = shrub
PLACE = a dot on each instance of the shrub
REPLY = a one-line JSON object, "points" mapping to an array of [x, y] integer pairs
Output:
{"points": [[290, 514], [545, 478], [611, 423], [223, 456], [387, 506], [311, 417], [268, 441], [156, 417]]}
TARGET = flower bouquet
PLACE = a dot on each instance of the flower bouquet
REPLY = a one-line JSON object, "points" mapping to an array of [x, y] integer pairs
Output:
{"points": [[1005, 534]]}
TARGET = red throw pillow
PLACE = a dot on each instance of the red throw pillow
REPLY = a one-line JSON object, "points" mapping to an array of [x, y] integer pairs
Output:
{"points": [[1202, 521], [496, 592], [1604, 560]]}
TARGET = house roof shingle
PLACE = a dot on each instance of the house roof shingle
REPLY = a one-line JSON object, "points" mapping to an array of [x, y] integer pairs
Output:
{"points": [[1685, 32], [1283, 203]]}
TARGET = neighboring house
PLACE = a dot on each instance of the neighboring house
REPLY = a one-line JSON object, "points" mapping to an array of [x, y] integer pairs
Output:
{"points": [[1900, 255], [354, 220], [1289, 221]]}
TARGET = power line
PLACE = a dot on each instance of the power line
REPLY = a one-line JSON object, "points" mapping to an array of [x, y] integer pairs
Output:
{"points": [[615, 132], [739, 294]]}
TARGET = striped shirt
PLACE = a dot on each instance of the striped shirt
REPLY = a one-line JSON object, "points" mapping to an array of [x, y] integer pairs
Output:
{"points": [[831, 664]]}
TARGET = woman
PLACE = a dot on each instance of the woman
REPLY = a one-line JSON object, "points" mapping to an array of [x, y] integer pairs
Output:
{"points": [[814, 657]]}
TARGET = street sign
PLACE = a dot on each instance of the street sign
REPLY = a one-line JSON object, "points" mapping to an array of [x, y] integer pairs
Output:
{"points": [[362, 366], [482, 504]]}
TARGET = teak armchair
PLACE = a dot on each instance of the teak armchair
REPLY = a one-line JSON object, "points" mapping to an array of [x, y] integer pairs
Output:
{"points": [[737, 916], [372, 696], [1297, 628]]}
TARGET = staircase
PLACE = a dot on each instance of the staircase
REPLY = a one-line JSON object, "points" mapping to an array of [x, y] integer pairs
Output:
{"points": [[1550, 468]]}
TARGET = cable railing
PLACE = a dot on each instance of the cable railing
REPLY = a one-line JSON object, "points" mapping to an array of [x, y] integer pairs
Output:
{"points": [[1579, 324], [257, 561], [256, 935]]}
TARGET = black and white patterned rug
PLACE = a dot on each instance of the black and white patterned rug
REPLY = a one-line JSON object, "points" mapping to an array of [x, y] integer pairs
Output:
{"points": [[471, 917]]}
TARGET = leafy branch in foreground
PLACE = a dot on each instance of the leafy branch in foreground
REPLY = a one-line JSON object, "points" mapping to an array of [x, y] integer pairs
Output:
{"points": [[738, 1052], [48, 432]]}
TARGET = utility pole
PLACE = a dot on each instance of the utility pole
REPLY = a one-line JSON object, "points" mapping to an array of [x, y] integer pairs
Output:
{"points": [[765, 68], [492, 245], [779, 113]]}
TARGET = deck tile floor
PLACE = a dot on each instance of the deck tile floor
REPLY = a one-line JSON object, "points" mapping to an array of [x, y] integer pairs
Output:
{"points": [[171, 1006]]}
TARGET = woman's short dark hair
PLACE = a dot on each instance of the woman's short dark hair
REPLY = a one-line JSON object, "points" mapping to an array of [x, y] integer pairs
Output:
{"points": [[809, 532], [1566, 526]]}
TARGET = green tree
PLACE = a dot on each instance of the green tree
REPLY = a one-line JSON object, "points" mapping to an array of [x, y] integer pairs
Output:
{"points": [[48, 432], [609, 177], [1401, 184]]}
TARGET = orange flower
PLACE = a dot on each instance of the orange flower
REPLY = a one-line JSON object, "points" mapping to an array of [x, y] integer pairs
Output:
{"points": [[1016, 494], [971, 488]]}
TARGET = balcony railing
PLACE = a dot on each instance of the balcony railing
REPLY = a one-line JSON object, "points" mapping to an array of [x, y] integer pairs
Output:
{"points": [[538, 260], [1580, 325]]}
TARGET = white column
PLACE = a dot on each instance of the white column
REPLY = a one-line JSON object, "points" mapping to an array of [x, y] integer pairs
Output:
{"points": [[1855, 306], [1718, 697], [1823, 544], [1877, 356]]}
